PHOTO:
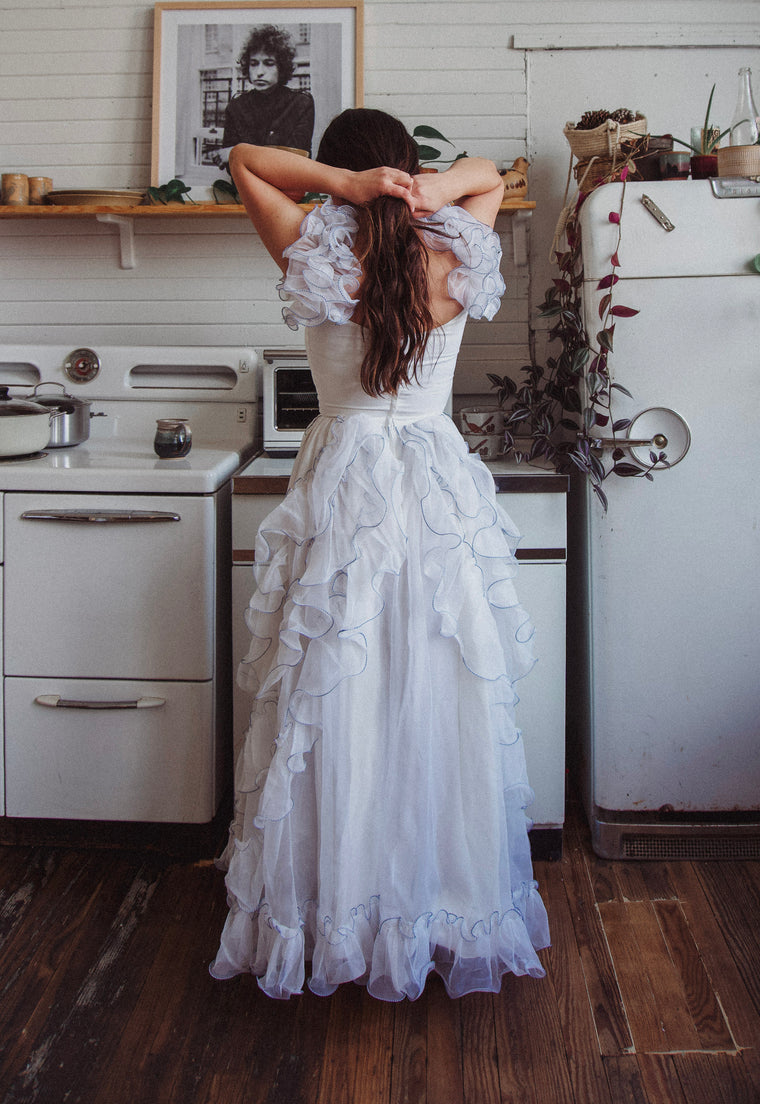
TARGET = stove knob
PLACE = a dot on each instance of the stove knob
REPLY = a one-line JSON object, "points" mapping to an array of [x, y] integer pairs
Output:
{"points": [[82, 365]]}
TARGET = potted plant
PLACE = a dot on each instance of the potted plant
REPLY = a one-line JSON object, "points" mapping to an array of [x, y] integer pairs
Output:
{"points": [[431, 153], [557, 413], [704, 144]]}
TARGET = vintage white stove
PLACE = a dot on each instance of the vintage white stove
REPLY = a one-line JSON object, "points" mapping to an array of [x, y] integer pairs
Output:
{"points": [[116, 654]]}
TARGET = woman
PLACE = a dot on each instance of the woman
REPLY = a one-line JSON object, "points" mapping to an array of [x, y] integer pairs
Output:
{"points": [[379, 830], [269, 113]]}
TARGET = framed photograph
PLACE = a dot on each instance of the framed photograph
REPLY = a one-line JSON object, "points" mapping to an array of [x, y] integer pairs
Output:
{"points": [[274, 74]]}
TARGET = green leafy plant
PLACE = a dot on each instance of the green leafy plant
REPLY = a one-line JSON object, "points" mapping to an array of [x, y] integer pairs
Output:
{"points": [[225, 188], [560, 411], [711, 135], [431, 153], [173, 192]]}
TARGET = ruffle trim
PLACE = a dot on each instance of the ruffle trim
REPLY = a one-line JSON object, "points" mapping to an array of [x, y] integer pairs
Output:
{"points": [[317, 579], [391, 956], [324, 275]]}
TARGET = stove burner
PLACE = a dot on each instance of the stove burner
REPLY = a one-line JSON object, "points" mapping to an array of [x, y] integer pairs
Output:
{"points": [[20, 459]]}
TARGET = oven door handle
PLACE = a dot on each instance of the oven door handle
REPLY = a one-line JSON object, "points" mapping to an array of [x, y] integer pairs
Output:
{"points": [[100, 515], [55, 701]]}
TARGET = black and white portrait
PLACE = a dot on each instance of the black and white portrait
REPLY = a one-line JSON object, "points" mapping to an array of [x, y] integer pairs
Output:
{"points": [[270, 75]]}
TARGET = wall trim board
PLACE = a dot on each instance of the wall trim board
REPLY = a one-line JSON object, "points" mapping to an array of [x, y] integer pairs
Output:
{"points": [[638, 36]]}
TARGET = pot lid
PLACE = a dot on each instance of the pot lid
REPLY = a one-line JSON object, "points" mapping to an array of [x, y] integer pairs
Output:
{"points": [[62, 401], [10, 407]]}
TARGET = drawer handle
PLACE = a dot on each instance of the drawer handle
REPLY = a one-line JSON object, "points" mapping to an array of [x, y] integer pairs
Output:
{"points": [[99, 515], [55, 701]]}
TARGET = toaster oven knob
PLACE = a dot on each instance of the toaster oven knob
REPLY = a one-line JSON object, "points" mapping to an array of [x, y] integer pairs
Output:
{"points": [[82, 365]]}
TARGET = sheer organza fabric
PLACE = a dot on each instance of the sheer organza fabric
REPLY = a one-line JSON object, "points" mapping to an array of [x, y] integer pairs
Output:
{"points": [[380, 830]]}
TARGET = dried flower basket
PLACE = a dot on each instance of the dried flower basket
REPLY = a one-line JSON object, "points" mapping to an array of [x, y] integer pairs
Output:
{"points": [[604, 140]]}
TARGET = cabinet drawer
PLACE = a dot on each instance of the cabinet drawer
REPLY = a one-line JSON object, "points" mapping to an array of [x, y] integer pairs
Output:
{"points": [[248, 512], [97, 596], [154, 763], [541, 519]]}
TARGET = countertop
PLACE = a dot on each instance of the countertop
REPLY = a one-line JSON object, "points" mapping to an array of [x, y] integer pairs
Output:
{"points": [[270, 475]]}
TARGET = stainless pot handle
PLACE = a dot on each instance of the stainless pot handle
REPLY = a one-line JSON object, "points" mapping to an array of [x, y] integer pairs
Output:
{"points": [[55, 701], [50, 383], [99, 515]]}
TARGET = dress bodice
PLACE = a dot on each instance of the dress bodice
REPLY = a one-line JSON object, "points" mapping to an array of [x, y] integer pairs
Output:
{"points": [[335, 355], [322, 284]]}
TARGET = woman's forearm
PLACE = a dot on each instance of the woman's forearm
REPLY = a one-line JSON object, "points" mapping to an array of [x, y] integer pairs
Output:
{"points": [[289, 172], [469, 176]]}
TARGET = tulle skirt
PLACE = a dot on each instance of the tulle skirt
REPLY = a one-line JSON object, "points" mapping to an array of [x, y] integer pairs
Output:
{"points": [[380, 828]]}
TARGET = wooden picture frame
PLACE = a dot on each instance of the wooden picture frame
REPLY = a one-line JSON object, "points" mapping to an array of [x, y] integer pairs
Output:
{"points": [[200, 50]]}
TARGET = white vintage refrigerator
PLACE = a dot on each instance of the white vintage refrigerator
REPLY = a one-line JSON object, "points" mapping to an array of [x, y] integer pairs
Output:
{"points": [[664, 642]]}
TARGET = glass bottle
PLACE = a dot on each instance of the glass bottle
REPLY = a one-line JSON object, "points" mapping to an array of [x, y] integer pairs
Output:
{"points": [[744, 126]]}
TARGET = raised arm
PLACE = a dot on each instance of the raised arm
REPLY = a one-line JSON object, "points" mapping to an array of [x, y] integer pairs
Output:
{"points": [[471, 182], [270, 181]]}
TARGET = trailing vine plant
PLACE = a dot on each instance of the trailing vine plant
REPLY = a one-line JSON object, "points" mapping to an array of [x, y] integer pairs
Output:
{"points": [[564, 407]]}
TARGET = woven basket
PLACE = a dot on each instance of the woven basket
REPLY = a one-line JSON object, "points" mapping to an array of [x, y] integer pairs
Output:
{"points": [[739, 161], [603, 140], [600, 170]]}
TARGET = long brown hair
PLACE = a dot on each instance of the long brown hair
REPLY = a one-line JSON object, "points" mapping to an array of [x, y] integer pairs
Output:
{"points": [[396, 318]]}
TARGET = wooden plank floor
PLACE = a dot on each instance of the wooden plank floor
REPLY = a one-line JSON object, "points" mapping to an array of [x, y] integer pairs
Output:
{"points": [[652, 995]]}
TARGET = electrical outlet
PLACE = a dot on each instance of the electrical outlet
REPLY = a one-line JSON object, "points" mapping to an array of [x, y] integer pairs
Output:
{"points": [[242, 414]]}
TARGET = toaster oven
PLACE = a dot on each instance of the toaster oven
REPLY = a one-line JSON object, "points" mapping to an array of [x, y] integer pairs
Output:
{"points": [[289, 398]]}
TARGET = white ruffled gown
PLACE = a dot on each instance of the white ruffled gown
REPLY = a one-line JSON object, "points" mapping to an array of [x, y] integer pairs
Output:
{"points": [[380, 830]]}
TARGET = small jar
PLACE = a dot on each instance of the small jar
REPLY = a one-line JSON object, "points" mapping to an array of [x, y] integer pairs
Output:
{"points": [[173, 438], [15, 189], [39, 186]]}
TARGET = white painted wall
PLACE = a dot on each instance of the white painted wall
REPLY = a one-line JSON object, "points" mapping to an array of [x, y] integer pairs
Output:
{"points": [[497, 76]]}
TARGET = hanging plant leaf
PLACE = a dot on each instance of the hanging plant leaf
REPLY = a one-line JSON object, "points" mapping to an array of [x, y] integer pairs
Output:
{"points": [[623, 390], [627, 470], [604, 304], [623, 312], [607, 282]]}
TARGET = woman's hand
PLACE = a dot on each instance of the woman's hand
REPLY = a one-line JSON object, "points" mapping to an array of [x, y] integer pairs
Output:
{"points": [[362, 187], [426, 194]]}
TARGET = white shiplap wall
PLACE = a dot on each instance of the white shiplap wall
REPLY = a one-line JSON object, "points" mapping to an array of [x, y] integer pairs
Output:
{"points": [[75, 90]]}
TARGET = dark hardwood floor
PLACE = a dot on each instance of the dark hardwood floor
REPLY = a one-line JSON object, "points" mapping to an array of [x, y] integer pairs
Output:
{"points": [[652, 995]]}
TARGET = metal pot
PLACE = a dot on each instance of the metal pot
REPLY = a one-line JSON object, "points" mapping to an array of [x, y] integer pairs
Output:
{"points": [[72, 426], [24, 425]]}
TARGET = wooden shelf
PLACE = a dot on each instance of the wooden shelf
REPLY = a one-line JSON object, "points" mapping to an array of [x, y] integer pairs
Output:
{"points": [[178, 210], [122, 218]]}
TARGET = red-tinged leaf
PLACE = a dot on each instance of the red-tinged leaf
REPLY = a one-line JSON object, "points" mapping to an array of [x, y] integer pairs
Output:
{"points": [[561, 284], [614, 259], [624, 173], [607, 282], [613, 216], [604, 303], [623, 312]]}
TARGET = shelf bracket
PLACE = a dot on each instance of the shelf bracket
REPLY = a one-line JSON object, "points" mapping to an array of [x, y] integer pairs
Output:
{"points": [[520, 224], [126, 230]]}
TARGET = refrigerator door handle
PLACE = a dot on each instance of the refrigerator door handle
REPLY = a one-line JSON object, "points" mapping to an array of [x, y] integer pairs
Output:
{"points": [[666, 429]]}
